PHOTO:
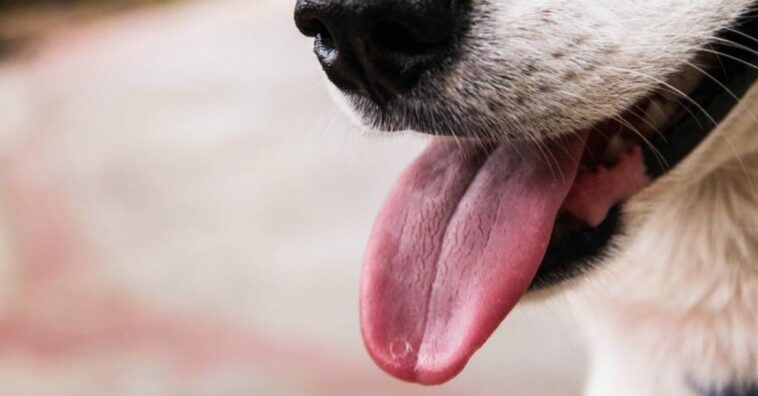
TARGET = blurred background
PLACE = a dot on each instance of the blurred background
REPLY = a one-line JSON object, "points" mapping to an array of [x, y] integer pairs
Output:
{"points": [[183, 212]]}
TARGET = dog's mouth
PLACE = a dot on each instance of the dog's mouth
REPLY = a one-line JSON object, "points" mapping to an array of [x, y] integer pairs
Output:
{"points": [[472, 225]]}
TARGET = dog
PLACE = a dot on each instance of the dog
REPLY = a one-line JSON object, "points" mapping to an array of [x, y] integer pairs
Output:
{"points": [[607, 150]]}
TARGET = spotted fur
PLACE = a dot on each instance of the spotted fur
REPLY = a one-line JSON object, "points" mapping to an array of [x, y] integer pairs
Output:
{"points": [[536, 68]]}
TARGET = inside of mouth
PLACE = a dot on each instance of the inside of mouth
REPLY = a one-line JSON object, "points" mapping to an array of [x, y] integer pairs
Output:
{"points": [[612, 167]]}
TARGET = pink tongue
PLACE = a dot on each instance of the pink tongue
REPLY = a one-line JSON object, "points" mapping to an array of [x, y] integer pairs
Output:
{"points": [[455, 246]]}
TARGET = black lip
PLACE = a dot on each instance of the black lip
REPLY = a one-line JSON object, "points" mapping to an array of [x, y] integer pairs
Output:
{"points": [[578, 251]]}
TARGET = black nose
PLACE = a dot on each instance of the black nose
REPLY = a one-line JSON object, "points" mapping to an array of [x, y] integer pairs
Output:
{"points": [[379, 47]]}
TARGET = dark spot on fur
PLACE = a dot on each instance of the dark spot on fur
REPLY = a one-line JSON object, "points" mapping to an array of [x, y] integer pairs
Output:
{"points": [[609, 49], [579, 41], [571, 75], [546, 16], [504, 78], [530, 69], [558, 54]]}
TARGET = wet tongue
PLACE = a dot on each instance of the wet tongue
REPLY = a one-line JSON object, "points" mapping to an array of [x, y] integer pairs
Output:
{"points": [[455, 246]]}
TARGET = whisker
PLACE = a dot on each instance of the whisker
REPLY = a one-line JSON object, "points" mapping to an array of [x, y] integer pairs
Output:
{"points": [[670, 87], [550, 159], [732, 57], [646, 121], [658, 155]]}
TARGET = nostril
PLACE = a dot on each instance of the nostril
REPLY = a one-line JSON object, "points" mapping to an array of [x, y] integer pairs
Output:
{"points": [[325, 39], [324, 43], [325, 48], [312, 27], [392, 37], [379, 47]]}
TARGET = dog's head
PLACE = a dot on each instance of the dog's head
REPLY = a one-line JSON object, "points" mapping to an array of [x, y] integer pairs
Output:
{"points": [[549, 115]]}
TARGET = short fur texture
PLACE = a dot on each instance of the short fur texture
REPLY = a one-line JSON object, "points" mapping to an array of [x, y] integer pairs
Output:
{"points": [[536, 68], [674, 309]]}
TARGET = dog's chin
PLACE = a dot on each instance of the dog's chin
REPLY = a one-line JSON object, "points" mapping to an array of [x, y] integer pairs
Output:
{"points": [[397, 115], [432, 111], [434, 121], [435, 115], [657, 132]]}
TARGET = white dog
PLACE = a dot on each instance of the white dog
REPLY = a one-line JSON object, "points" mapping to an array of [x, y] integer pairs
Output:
{"points": [[606, 149]]}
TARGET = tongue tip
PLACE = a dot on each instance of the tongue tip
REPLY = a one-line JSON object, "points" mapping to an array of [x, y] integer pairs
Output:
{"points": [[408, 367], [407, 357]]}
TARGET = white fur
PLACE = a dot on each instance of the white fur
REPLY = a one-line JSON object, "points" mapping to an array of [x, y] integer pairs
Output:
{"points": [[533, 68], [676, 308]]}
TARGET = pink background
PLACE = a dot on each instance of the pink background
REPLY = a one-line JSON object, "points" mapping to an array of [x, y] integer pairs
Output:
{"points": [[183, 212]]}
